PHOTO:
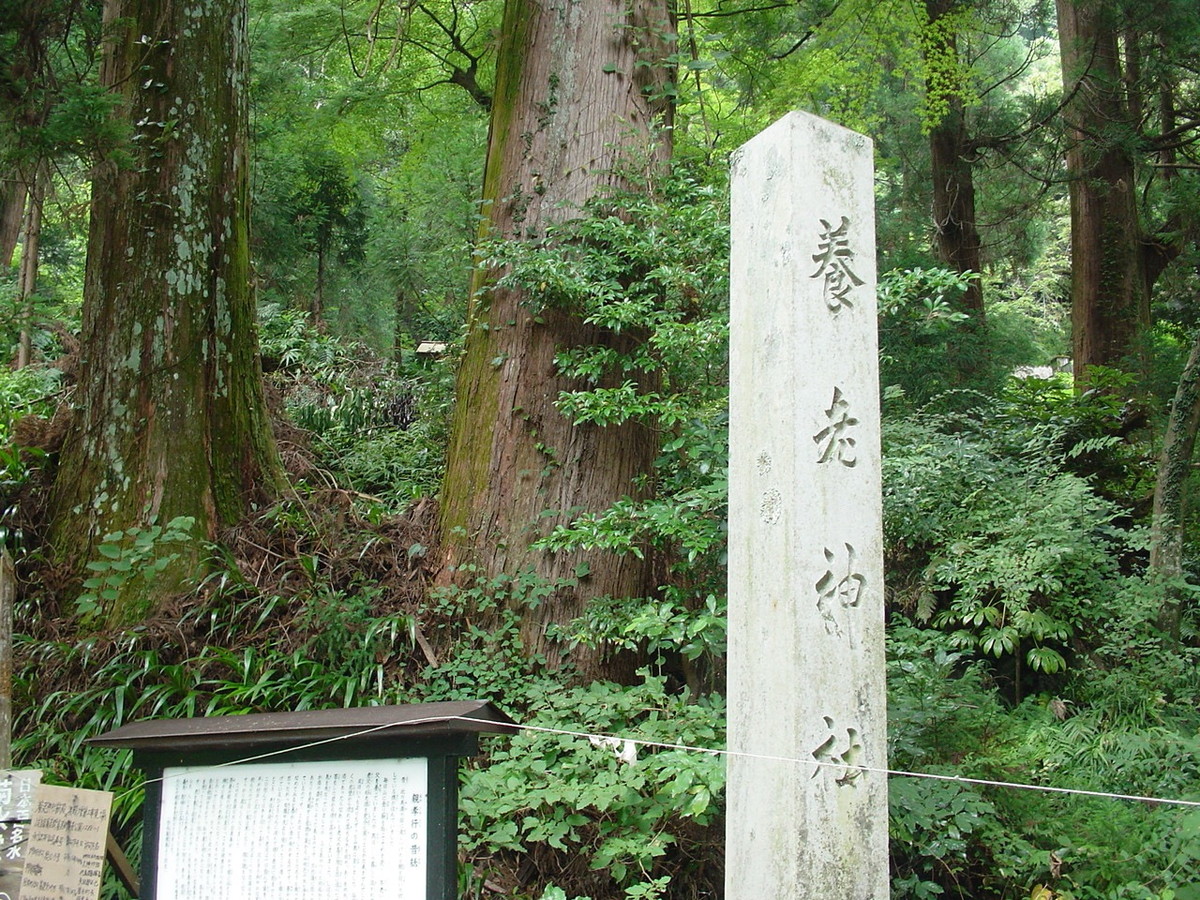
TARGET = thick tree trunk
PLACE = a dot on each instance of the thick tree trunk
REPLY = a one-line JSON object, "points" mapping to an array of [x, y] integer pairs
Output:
{"points": [[12, 214], [1174, 465], [1110, 297], [580, 87], [956, 237], [170, 417]]}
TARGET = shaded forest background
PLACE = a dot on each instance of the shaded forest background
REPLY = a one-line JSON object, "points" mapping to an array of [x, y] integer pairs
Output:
{"points": [[365, 353]]}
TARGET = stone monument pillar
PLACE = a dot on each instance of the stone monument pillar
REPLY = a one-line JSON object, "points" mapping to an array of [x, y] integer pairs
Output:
{"points": [[806, 641]]}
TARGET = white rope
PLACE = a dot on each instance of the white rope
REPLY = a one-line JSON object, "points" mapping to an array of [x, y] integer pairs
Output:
{"points": [[620, 743], [963, 779]]}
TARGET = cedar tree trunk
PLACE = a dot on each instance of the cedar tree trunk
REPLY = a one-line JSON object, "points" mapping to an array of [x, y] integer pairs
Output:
{"points": [[1174, 466], [956, 237], [30, 250], [170, 418], [580, 87], [12, 214], [1110, 297]]}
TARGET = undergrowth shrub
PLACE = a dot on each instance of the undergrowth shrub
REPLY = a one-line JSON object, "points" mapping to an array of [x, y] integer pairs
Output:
{"points": [[1011, 554], [596, 816], [477, 629], [970, 840], [652, 265], [946, 837], [375, 426], [23, 392]]}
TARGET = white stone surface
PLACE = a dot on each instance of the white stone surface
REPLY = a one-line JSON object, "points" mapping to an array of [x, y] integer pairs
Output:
{"points": [[806, 643]]}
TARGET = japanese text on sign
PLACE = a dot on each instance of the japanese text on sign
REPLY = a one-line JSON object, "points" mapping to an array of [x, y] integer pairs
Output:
{"points": [[344, 828], [64, 856], [834, 258], [16, 809]]}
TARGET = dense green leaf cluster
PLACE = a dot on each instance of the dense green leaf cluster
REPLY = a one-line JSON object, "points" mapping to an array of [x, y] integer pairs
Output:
{"points": [[375, 426], [24, 392], [619, 807]]}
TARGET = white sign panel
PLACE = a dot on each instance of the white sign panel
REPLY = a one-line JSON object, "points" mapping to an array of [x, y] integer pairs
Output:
{"points": [[351, 829]]}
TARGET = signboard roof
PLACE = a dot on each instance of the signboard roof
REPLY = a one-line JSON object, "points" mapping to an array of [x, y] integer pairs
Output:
{"points": [[421, 720]]}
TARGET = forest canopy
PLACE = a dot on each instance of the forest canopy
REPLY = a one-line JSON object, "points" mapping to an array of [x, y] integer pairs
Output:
{"points": [[364, 353]]}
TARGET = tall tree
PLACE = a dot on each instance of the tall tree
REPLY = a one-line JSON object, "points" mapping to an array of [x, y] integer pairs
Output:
{"points": [[1110, 300], [28, 93], [951, 152], [327, 211], [27, 282], [580, 89], [1167, 536], [12, 214], [1132, 119], [170, 419]]}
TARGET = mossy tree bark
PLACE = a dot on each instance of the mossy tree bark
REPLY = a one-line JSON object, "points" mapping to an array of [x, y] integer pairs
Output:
{"points": [[1110, 288], [1174, 467], [580, 89], [170, 418]]}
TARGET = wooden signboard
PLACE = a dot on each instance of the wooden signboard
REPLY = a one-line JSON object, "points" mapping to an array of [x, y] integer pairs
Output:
{"points": [[64, 858], [358, 804], [52, 839], [329, 824], [16, 810]]}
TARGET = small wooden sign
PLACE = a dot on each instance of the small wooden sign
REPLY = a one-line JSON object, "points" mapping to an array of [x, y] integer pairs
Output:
{"points": [[64, 857], [16, 809]]}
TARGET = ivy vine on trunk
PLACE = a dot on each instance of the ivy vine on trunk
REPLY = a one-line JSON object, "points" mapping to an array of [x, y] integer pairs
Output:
{"points": [[580, 91]]}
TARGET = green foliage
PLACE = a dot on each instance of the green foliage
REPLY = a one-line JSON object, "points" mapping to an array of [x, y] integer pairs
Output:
{"points": [[1028, 311], [364, 146], [930, 348], [1026, 566], [309, 203], [56, 302], [618, 806], [947, 77], [968, 840], [130, 560], [1016, 554], [658, 629], [50, 107], [379, 428], [919, 324], [23, 392], [480, 629], [228, 654], [650, 266], [289, 341], [1092, 433], [943, 822], [941, 709], [653, 267]]}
